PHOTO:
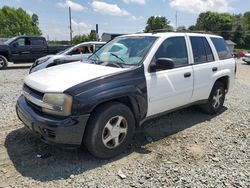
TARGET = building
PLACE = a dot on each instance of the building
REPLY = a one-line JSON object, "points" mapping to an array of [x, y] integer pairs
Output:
{"points": [[231, 45], [109, 36]]}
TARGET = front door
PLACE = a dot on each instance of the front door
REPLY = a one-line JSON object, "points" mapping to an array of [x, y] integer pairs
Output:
{"points": [[21, 50], [169, 89]]}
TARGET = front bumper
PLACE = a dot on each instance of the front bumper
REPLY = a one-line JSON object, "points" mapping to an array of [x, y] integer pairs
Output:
{"points": [[66, 131]]}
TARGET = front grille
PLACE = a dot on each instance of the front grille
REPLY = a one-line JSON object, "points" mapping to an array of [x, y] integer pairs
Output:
{"points": [[33, 105], [33, 92]]}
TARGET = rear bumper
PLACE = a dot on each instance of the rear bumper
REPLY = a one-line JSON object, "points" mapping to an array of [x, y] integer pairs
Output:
{"points": [[66, 131]]}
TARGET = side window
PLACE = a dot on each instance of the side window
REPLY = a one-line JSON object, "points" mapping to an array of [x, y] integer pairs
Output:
{"points": [[37, 42], [222, 48], [98, 46], [201, 50], [210, 56], [20, 42], [173, 48]]}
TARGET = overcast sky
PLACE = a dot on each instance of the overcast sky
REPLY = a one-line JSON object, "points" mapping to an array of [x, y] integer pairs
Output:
{"points": [[120, 16]]}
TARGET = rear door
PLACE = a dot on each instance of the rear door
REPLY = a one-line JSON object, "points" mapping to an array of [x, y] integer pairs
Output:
{"points": [[38, 48], [169, 89], [205, 67]]}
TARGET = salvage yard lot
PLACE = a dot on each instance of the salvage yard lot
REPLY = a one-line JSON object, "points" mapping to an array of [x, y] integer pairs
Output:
{"points": [[183, 149]]}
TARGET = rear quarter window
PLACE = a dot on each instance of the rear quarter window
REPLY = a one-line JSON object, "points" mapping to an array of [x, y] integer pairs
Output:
{"points": [[221, 48]]}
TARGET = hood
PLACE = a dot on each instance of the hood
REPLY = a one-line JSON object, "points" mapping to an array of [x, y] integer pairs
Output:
{"points": [[62, 77], [4, 47], [45, 58]]}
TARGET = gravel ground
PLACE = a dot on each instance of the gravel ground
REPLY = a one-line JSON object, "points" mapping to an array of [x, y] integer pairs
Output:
{"points": [[182, 149]]}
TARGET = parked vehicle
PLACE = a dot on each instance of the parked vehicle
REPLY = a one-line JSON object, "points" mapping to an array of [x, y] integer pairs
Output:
{"points": [[246, 58], [26, 49], [131, 79], [76, 53]]}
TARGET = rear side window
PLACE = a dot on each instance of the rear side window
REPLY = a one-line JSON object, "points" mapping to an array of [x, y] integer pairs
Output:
{"points": [[201, 50], [37, 42], [222, 48]]}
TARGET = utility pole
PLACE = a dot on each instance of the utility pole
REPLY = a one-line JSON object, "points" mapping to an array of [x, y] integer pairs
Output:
{"points": [[176, 20], [70, 26]]}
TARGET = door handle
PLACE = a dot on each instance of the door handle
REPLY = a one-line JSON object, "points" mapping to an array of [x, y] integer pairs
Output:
{"points": [[214, 69], [187, 74]]}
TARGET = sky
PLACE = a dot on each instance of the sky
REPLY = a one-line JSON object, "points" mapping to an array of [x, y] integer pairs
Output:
{"points": [[117, 16]]}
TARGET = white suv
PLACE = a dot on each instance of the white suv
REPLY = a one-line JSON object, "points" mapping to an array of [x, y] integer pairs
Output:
{"points": [[129, 80]]}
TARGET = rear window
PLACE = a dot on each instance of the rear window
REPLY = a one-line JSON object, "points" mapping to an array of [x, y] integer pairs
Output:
{"points": [[222, 48]]}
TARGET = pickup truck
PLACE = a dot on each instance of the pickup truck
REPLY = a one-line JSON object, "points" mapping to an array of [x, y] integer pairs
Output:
{"points": [[26, 49], [131, 79]]}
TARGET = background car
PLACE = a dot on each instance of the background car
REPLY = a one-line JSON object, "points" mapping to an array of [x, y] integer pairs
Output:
{"points": [[76, 53], [246, 58]]}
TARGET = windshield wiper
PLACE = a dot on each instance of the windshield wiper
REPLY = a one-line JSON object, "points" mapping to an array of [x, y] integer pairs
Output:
{"points": [[117, 57]]}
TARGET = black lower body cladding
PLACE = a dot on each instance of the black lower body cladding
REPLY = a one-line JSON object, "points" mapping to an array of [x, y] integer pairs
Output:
{"points": [[66, 132]]}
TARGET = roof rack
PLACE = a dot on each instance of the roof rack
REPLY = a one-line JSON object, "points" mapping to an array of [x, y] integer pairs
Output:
{"points": [[181, 31]]}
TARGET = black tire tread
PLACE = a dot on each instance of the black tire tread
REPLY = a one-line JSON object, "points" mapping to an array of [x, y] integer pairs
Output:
{"points": [[5, 61], [92, 129]]}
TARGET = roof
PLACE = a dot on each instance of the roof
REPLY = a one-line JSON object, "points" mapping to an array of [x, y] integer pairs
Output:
{"points": [[172, 34]]}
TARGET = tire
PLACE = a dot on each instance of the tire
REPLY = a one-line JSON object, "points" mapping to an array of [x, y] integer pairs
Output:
{"points": [[215, 100], [3, 62], [109, 131]]}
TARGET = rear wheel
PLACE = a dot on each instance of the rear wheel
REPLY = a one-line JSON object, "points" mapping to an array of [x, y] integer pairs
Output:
{"points": [[3, 62], [216, 99], [110, 130]]}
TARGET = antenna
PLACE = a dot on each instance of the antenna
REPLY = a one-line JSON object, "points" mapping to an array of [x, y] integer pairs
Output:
{"points": [[70, 26], [176, 20]]}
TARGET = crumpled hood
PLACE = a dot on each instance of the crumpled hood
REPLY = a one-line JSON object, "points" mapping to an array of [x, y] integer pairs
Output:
{"points": [[62, 77]]}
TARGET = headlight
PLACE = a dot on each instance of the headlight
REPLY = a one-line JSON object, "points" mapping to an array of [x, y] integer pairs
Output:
{"points": [[57, 103]]}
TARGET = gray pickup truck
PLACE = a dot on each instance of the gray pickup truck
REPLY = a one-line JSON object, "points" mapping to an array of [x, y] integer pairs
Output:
{"points": [[26, 49]]}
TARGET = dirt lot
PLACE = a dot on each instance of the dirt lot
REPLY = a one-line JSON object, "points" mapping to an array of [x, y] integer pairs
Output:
{"points": [[182, 149]]}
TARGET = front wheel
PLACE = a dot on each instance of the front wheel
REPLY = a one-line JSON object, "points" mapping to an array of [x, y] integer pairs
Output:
{"points": [[109, 130], [3, 62], [215, 100]]}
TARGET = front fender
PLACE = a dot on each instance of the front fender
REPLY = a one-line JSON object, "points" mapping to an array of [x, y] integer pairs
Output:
{"points": [[128, 86]]}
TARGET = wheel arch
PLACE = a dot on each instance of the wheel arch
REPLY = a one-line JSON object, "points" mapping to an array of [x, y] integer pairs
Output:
{"points": [[5, 55], [225, 81], [130, 101]]}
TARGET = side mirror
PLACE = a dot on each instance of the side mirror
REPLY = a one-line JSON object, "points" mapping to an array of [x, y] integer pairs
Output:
{"points": [[162, 64]]}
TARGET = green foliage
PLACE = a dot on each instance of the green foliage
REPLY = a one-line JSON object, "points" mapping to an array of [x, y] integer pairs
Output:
{"points": [[84, 38], [219, 23], [246, 21], [158, 23], [231, 27], [181, 28], [18, 22]]}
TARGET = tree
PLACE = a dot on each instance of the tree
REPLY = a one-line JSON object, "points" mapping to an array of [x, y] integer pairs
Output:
{"points": [[84, 38], [246, 21], [158, 23], [192, 28], [238, 37], [18, 22], [220, 23], [181, 28]]}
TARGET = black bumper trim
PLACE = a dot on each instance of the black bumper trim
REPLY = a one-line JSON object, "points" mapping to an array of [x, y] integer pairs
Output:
{"points": [[66, 131]]}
